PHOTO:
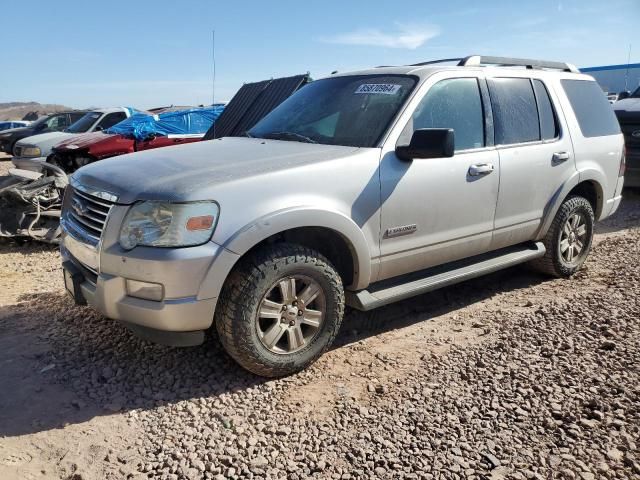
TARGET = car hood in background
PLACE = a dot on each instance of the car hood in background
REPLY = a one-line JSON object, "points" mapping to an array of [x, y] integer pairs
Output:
{"points": [[192, 172], [46, 140], [83, 140], [627, 105]]}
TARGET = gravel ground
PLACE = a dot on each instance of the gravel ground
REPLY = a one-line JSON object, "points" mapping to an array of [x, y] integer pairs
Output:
{"points": [[512, 376]]}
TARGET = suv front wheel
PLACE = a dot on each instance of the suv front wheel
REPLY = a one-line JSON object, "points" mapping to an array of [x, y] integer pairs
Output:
{"points": [[280, 309], [569, 238]]}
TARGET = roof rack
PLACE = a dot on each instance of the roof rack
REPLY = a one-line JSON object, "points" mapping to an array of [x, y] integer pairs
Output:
{"points": [[478, 60]]}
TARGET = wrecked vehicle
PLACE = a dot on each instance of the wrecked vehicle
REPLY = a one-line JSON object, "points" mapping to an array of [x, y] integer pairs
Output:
{"points": [[39, 146], [31, 196], [51, 123], [139, 132]]}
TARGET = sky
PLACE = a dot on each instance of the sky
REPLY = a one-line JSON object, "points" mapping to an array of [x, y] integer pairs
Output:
{"points": [[143, 54]]}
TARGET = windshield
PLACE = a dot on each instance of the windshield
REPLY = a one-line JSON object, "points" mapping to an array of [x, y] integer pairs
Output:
{"points": [[84, 123], [352, 111], [636, 93]]}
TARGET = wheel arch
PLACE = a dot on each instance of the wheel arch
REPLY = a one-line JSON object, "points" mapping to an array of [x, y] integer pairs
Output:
{"points": [[585, 184], [334, 235]]}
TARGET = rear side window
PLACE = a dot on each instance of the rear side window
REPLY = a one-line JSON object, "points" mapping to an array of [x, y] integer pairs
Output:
{"points": [[111, 119], [515, 110], [453, 103], [593, 110], [548, 123]]}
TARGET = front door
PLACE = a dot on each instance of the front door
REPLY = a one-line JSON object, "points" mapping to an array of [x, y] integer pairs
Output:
{"points": [[440, 209]]}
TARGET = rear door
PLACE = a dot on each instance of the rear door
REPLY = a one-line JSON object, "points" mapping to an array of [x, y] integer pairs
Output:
{"points": [[536, 155]]}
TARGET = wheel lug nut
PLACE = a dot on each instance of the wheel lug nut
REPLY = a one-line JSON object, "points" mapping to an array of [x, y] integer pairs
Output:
{"points": [[292, 323], [299, 313]]}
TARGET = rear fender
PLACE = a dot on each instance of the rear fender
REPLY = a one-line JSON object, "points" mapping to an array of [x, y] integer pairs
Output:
{"points": [[561, 194]]}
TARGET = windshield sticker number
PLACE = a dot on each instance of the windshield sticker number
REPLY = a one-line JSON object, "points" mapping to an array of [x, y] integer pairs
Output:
{"points": [[379, 88]]}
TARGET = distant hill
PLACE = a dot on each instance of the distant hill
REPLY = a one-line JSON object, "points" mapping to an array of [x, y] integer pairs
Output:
{"points": [[20, 110]]}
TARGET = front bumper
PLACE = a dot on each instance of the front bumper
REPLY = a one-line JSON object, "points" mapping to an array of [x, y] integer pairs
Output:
{"points": [[182, 271], [29, 163]]}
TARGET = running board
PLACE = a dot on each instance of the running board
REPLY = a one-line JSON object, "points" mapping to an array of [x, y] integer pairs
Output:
{"points": [[417, 283]]}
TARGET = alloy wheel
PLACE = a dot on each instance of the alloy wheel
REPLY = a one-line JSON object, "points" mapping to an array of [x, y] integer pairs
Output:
{"points": [[291, 314]]}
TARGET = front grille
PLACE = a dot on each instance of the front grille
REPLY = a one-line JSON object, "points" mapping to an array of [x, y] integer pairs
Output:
{"points": [[88, 213]]}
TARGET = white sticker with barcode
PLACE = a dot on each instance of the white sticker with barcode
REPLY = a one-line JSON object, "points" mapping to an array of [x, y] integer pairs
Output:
{"points": [[378, 88]]}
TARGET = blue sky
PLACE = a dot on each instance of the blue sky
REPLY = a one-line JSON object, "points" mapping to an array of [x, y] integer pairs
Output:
{"points": [[146, 54]]}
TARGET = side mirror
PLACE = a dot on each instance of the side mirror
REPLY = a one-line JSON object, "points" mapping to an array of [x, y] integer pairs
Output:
{"points": [[624, 94], [98, 128], [428, 143]]}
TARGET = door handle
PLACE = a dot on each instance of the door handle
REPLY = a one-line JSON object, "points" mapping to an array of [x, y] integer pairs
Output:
{"points": [[480, 169], [560, 157]]}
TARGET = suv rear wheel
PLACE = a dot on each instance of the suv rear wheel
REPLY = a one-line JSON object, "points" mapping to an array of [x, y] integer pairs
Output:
{"points": [[280, 309], [569, 238]]}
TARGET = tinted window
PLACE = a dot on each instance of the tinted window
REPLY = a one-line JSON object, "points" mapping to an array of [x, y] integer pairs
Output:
{"points": [[548, 124], [57, 122], [453, 103], [75, 116], [350, 110], [514, 109], [593, 110], [111, 119], [84, 123]]}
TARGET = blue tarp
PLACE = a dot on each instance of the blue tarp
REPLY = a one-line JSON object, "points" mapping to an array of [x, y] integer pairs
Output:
{"points": [[141, 125]]}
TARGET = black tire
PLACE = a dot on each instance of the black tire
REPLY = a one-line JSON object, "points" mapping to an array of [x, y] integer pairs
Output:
{"points": [[248, 285], [554, 262]]}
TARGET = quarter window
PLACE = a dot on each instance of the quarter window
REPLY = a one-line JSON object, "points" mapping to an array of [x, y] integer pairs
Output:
{"points": [[453, 103], [593, 110], [548, 122]]}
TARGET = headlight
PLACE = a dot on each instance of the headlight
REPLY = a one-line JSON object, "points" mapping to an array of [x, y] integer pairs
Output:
{"points": [[165, 224], [30, 151]]}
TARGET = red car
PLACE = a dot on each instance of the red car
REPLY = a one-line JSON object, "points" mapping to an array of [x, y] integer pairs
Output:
{"points": [[250, 104], [78, 151]]}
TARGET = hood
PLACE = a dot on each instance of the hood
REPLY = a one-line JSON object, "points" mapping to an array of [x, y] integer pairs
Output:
{"points": [[627, 105], [45, 139], [83, 140], [18, 131], [192, 172]]}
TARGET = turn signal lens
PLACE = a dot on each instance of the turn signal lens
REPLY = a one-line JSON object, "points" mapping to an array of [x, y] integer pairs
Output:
{"points": [[204, 222]]}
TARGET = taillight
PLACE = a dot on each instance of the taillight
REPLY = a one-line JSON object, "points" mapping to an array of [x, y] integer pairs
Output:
{"points": [[623, 162]]}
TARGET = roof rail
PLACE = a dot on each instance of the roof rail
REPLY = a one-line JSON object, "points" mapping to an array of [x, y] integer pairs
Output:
{"points": [[431, 62], [477, 60]]}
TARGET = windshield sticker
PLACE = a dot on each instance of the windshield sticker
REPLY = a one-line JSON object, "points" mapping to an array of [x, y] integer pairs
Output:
{"points": [[379, 88]]}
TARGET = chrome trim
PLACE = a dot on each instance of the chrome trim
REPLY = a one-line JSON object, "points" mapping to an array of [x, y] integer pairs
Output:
{"points": [[111, 197]]}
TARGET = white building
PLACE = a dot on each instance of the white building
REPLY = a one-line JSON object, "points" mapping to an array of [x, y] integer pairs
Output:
{"points": [[616, 78]]}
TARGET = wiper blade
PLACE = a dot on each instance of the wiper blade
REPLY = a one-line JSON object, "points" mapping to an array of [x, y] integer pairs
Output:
{"points": [[289, 136]]}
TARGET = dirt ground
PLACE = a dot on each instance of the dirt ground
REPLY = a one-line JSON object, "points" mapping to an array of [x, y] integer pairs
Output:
{"points": [[486, 379]]}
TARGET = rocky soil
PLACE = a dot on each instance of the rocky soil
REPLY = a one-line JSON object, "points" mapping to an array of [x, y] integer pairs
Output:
{"points": [[512, 376]]}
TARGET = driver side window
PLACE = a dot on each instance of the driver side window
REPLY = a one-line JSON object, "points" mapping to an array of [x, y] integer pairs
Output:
{"points": [[57, 122], [452, 103]]}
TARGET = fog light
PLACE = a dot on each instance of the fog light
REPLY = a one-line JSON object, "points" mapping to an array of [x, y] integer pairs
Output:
{"points": [[144, 290]]}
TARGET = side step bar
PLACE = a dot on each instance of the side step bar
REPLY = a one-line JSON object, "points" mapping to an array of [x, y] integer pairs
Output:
{"points": [[393, 290]]}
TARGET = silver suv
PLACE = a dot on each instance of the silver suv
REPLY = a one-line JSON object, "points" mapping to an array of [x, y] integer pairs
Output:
{"points": [[361, 189]]}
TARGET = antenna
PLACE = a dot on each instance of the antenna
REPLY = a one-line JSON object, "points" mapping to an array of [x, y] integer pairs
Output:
{"points": [[626, 75], [213, 72]]}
